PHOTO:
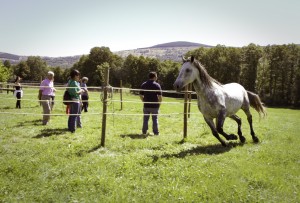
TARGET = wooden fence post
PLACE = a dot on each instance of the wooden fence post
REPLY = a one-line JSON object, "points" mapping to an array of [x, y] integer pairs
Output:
{"points": [[185, 112], [121, 94], [106, 78], [190, 88]]}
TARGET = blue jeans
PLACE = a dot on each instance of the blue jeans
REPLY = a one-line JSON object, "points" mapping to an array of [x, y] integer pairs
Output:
{"points": [[73, 119], [147, 112]]}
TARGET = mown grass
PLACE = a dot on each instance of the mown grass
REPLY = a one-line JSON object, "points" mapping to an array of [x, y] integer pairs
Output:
{"points": [[49, 164]]}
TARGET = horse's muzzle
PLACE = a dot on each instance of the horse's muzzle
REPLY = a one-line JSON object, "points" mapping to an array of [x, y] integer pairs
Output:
{"points": [[177, 86]]}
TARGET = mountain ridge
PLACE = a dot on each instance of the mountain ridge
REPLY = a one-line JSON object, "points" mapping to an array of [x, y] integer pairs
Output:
{"points": [[165, 51], [178, 44]]}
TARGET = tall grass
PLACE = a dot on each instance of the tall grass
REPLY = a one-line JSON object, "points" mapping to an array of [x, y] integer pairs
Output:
{"points": [[49, 164]]}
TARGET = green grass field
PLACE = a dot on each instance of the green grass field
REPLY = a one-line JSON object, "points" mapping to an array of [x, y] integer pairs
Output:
{"points": [[49, 164]]}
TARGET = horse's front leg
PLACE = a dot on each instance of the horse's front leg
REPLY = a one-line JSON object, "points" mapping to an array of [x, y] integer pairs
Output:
{"points": [[214, 131], [220, 122]]}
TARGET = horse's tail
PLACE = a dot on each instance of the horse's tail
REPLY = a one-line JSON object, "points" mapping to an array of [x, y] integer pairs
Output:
{"points": [[256, 103]]}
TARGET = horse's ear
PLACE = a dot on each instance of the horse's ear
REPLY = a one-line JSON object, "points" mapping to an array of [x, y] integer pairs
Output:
{"points": [[192, 59], [183, 59]]}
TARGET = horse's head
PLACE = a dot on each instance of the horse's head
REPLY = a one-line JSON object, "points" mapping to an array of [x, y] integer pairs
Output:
{"points": [[187, 74]]}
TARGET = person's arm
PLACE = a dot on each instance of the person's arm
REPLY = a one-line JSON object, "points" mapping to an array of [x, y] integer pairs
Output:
{"points": [[41, 90], [80, 91], [159, 98]]}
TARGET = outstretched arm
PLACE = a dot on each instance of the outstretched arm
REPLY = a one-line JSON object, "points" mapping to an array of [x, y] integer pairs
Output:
{"points": [[142, 97], [159, 98]]}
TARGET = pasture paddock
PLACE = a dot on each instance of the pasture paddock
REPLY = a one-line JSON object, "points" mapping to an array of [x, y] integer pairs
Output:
{"points": [[49, 164]]}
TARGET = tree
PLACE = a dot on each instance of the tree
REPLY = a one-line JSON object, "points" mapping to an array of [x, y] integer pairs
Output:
{"points": [[37, 66], [89, 65], [250, 60], [168, 73], [22, 70], [129, 70], [7, 64], [58, 75], [4, 73]]}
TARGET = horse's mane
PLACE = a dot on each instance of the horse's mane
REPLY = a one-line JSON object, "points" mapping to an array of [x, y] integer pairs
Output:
{"points": [[205, 78]]}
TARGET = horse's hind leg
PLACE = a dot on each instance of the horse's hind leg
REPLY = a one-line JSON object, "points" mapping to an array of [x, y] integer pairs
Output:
{"points": [[214, 131], [239, 122], [249, 118]]}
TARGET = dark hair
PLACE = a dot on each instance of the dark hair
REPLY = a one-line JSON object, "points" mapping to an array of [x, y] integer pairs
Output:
{"points": [[152, 75], [74, 73], [17, 78]]}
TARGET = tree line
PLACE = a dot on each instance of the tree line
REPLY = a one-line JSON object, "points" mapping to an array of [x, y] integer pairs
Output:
{"points": [[273, 71]]}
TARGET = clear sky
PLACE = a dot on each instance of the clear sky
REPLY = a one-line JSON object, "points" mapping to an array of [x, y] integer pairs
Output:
{"points": [[72, 27]]}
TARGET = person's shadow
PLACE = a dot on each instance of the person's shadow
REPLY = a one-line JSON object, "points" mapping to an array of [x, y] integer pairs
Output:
{"points": [[31, 122], [135, 136], [51, 132]]}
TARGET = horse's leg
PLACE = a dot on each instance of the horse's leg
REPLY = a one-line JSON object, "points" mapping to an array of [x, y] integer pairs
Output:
{"points": [[249, 118], [214, 131], [239, 122], [220, 122]]}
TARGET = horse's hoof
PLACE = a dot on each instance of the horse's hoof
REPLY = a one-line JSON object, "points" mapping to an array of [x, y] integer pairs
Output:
{"points": [[242, 139], [232, 137], [255, 139], [224, 144]]}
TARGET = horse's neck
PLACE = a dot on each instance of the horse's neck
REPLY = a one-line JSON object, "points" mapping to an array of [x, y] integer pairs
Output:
{"points": [[202, 90]]}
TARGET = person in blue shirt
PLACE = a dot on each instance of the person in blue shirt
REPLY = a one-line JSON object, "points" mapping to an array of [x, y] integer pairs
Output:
{"points": [[151, 95]]}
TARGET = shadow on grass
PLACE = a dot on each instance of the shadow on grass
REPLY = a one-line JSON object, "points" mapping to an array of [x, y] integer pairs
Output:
{"points": [[51, 132], [23, 107], [209, 149], [32, 122], [135, 136], [6, 107], [94, 148]]}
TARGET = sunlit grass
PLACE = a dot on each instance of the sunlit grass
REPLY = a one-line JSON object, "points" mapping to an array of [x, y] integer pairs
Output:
{"points": [[49, 164]]}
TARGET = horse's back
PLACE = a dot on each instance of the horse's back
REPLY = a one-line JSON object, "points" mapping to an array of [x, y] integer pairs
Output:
{"points": [[234, 90], [235, 97]]}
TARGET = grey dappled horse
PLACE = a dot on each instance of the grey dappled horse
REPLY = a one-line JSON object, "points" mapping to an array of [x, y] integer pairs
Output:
{"points": [[219, 101]]}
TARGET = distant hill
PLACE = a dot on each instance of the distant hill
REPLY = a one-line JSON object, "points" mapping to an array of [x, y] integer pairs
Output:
{"points": [[9, 56], [179, 44], [63, 62], [167, 51]]}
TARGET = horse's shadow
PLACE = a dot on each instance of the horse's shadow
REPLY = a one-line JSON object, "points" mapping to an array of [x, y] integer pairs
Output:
{"points": [[51, 132], [209, 149], [135, 136]]}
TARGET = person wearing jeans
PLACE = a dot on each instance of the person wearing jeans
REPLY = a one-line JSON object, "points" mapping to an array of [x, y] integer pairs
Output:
{"points": [[151, 95], [75, 91]]}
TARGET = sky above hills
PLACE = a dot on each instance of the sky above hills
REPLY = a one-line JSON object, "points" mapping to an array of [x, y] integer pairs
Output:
{"points": [[72, 27]]}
